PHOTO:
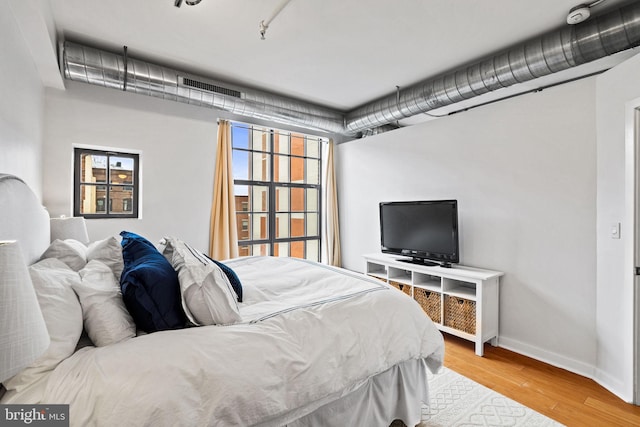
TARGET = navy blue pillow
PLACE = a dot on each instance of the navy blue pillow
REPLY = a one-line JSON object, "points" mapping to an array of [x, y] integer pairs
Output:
{"points": [[150, 287], [231, 275], [136, 246]]}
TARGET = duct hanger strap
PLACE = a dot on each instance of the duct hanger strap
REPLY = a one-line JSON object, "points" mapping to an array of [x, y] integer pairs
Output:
{"points": [[124, 79]]}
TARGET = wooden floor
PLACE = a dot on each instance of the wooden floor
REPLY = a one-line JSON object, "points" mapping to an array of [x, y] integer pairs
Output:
{"points": [[568, 398]]}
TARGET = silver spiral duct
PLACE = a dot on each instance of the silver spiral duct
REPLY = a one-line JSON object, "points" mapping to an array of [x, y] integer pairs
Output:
{"points": [[102, 68], [555, 51]]}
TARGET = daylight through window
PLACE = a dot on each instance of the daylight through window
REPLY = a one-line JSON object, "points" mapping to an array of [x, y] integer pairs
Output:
{"points": [[105, 184], [277, 191]]}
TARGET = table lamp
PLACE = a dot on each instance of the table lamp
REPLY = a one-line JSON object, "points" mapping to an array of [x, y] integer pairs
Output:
{"points": [[23, 332]]}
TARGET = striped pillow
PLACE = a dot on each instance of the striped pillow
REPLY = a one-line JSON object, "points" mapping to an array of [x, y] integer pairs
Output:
{"points": [[207, 295]]}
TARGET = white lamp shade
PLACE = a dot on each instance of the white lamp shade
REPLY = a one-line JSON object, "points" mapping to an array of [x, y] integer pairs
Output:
{"points": [[23, 332], [69, 228]]}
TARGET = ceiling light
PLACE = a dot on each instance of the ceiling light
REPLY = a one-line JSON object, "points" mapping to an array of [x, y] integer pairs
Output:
{"points": [[581, 12], [178, 3], [578, 14]]}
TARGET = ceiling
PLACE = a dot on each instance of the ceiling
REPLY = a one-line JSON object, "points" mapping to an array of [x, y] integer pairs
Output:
{"points": [[336, 53]]}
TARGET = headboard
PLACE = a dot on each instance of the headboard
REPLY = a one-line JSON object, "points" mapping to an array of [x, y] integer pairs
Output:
{"points": [[23, 218]]}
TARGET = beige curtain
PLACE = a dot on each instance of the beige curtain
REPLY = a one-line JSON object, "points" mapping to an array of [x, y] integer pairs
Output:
{"points": [[223, 242], [332, 227]]}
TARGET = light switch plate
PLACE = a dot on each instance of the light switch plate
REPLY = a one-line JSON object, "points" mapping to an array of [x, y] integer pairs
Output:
{"points": [[615, 230]]}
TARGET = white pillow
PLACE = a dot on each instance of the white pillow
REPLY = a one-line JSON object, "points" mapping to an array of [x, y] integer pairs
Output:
{"points": [[109, 252], [106, 318], [207, 295], [53, 280], [69, 251]]}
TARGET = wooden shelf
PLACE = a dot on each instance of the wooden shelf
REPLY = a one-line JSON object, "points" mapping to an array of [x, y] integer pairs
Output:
{"points": [[462, 292]]}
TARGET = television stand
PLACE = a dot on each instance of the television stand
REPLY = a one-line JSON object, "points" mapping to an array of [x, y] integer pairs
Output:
{"points": [[420, 261], [461, 301]]}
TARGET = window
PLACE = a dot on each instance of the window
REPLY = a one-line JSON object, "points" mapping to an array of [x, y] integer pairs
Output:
{"points": [[101, 176], [277, 191]]}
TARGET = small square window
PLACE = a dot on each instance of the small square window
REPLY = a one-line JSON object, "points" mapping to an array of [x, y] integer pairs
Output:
{"points": [[101, 176]]}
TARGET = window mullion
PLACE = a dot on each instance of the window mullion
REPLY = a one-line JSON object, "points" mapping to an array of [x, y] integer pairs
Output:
{"points": [[107, 179], [272, 195]]}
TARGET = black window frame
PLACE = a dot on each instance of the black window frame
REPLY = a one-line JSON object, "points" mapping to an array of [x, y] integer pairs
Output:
{"points": [[78, 183], [272, 185]]}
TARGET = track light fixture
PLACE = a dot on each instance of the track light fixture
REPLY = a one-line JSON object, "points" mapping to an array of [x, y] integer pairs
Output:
{"points": [[264, 24], [178, 3]]}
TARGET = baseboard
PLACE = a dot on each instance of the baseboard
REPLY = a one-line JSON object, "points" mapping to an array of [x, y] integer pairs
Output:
{"points": [[577, 367], [612, 384], [571, 365]]}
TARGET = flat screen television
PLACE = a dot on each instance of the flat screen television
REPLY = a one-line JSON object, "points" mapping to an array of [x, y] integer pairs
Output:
{"points": [[426, 231]]}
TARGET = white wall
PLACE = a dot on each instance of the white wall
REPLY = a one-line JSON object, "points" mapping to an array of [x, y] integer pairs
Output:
{"points": [[178, 145], [524, 174], [21, 105], [618, 92]]}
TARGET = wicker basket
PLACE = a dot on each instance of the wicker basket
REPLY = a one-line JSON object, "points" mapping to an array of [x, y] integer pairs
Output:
{"points": [[460, 314], [401, 287], [430, 302]]}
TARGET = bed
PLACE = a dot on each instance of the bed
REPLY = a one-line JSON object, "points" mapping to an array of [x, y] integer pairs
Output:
{"points": [[313, 346]]}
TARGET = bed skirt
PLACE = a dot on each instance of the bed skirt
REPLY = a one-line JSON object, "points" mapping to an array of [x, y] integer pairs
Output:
{"points": [[397, 393]]}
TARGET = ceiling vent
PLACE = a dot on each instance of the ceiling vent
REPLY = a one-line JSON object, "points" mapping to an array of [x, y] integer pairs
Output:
{"points": [[209, 87]]}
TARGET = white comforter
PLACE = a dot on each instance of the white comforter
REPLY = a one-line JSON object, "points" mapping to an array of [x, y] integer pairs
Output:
{"points": [[310, 334]]}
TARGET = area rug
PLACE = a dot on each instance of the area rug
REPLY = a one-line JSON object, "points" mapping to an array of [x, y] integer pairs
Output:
{"points": [[459, 401]]}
